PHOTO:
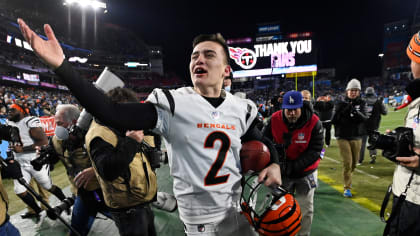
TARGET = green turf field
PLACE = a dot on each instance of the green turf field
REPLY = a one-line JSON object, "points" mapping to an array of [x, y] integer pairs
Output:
{"points": [[334, 214], [370, 181]]}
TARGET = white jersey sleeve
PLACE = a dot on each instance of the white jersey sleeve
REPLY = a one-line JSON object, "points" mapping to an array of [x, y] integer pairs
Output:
{"points": [[33, 122], [165, 108]]}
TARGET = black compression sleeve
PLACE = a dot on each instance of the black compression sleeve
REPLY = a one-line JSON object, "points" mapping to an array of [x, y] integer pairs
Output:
{"points": [[111, 162], [122, 116]]}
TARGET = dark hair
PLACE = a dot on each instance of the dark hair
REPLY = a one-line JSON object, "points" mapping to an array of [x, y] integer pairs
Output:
{"points": [[121, 95], [217, 38]]}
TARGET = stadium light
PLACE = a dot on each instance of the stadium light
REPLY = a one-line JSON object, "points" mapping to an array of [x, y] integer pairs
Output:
{"points": [[78, 59], [134, 64], [86, 3]]}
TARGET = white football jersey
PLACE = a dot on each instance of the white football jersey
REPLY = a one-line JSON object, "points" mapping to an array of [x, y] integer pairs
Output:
{"points": [[203, 144], [24, 125]]}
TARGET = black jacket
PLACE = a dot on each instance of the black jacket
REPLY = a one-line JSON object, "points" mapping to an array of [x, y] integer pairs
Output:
{"points": [[375, 108], [324, 109], [349, 118]]}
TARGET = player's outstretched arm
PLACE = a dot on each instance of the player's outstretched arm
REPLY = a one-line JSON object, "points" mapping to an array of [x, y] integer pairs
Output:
{"points": [[131, 116], [49, 50]]}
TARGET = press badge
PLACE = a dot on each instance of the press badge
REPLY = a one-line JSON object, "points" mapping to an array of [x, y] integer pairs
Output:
{"points": [[312, 181]]}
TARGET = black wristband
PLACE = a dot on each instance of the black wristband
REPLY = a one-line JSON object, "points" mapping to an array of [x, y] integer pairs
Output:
{"points": [[29, 148]]}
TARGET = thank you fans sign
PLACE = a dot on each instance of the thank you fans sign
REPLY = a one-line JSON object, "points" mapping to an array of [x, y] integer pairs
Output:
{"points": [[281, 57]]}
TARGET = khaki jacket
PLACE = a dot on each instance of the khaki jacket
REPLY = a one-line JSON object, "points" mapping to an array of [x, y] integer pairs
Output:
{"points": [[142, 185], [4, 202], [74, 162]]}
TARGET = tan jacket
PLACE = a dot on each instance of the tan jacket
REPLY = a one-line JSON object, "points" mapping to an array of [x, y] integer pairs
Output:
{"points": [[75, 160], [4, 202], [141, 187]]}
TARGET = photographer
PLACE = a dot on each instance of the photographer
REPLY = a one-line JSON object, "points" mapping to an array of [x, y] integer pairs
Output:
{"points": [[298, 133], [375, 108], [32, 136], [349, 116], [324, 107], [124, 172], [68, 147], [406, 181]]}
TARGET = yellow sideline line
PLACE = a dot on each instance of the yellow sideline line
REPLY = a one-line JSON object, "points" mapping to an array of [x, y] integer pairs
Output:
{"points": [[365, 202]]}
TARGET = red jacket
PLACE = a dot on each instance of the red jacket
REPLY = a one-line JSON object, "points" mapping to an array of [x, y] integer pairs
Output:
{"points": [[299, 141]]}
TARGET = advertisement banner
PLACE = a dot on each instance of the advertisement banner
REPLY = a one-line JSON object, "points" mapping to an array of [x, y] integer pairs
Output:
{"points": [[45, 84], [48, 124]]}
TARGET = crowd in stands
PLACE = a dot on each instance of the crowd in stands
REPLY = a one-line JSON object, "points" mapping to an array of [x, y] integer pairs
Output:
{"points": [[36, 101]]}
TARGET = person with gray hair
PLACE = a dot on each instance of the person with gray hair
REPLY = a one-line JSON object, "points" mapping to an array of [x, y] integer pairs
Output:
{"points": [[71, 112], [69, 148], [375, 108]]}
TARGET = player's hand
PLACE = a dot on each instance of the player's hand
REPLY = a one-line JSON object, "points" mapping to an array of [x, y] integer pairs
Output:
{"points": [[412, 161], [17, 148], [270, 175], [82, 179], [137, 135], [49, 50]]}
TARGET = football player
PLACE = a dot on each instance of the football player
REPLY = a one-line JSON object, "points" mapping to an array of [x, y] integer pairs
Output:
{"points": [[203, 127]]}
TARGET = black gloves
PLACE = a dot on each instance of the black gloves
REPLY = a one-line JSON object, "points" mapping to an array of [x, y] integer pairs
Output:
{"points": [[12, 170]]}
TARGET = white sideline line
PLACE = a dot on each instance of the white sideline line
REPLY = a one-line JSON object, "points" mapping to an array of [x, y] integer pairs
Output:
{"points": [[357, 170]]}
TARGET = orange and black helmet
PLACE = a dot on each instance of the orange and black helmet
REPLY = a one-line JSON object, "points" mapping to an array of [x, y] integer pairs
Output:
{"points": [[271, 211]]}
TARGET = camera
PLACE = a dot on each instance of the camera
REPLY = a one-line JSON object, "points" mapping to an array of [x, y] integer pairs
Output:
{"points": [[397, 143], [64, 206], [154, 155], [76, 138], [46, 154], [10, 133]]}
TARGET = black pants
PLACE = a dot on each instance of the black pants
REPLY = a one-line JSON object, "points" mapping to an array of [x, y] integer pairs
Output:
{"points": [[138, 220], [406, 223], [327, 128]]}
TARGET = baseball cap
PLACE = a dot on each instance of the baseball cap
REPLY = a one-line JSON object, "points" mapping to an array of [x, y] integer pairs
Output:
{"points": [[292, 100]]}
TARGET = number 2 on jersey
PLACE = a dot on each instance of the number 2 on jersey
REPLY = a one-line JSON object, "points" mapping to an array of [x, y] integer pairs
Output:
{"points": [[211, 177]]}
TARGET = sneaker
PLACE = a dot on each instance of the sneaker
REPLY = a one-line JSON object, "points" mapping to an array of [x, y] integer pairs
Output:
{"points": [[359, 164], [347, 193], [165, 201], [372, 159]]}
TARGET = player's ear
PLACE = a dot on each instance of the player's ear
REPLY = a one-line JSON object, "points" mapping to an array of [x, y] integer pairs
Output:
{"points": [[227, 71]]}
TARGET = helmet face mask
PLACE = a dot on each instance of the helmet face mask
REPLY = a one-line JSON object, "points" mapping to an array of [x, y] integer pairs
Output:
{"points": [[271, 211]]}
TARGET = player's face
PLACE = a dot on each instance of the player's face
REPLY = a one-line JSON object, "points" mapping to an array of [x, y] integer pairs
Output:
{"points": [[14, 115], [207, 66], [292, 115]]}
